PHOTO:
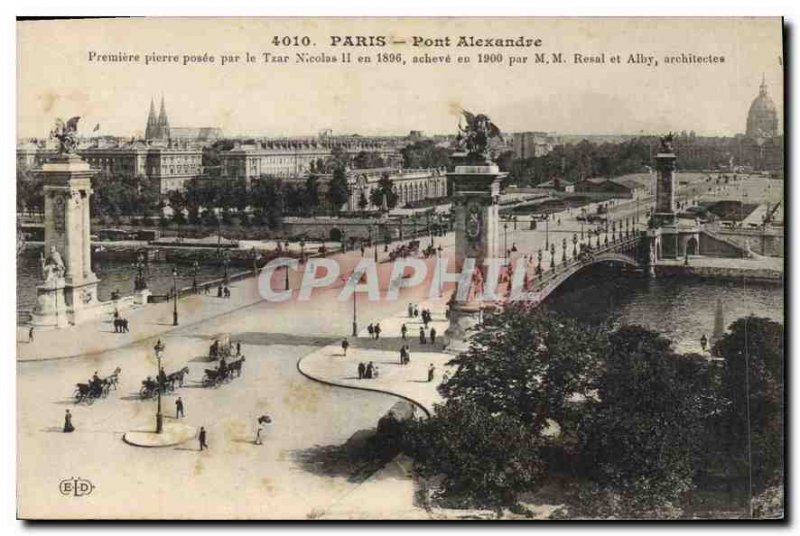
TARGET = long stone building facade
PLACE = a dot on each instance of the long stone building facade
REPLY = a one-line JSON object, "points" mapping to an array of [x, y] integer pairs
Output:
{"points": [[295, 157]]}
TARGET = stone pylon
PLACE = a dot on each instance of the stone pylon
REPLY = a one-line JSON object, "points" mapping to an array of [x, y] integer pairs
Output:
{"points": [[69, 293], [476, 191]]}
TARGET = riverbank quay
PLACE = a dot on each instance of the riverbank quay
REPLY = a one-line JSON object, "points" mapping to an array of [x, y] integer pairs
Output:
{"points": [[768, 270]]}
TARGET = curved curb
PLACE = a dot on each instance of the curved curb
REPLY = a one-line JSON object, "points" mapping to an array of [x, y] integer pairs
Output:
{"points": [[356, 388], [182, 435]]}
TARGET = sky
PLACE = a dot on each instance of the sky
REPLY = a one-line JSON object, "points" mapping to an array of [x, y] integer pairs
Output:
{"points": [[56, 78]]}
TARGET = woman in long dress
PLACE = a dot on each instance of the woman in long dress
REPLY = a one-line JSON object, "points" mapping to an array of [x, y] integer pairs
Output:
{"points": [[68, 422]]}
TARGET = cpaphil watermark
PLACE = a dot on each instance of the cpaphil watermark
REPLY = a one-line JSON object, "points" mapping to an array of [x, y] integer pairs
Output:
{"points": [[474, 281]]}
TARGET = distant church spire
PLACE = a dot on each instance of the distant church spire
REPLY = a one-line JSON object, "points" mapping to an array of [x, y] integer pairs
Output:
{"points": [[163, 122], [151, 131], [763, 87]]}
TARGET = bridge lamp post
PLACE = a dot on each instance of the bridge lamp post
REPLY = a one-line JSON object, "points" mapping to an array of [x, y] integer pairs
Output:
{"points": [[174, 295], [597, 234], [505, 240], [159, 349], [539, 265], [574, 245], [552, 256], [547, 232], [613, 231], [375, 248], [195, 269], [226, 260], [564, 251]]}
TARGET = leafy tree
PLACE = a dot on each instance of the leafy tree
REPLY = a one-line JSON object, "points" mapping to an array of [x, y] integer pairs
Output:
{"points": [[311, 193], [338, 191], [30, 192], [338, 159], [425, 154], [177, 202], [385, 188], [643, 432], [754, 363], [527, 364], [486, 459], [368, 160]]}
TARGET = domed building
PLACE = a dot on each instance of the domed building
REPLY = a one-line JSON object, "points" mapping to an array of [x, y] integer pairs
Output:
{"points": [[762, 119]]}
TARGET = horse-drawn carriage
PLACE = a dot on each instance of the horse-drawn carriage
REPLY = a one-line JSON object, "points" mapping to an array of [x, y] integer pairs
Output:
{"points": [[166, 383], [96, 387], [224, 373], [222, 347]]}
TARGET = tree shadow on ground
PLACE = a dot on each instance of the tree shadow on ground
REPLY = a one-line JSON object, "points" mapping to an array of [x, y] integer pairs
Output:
{"points": [[356, 459]]}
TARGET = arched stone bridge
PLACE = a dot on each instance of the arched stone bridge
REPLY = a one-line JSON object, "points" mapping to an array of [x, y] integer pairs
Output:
{"points": [[631, 250]]}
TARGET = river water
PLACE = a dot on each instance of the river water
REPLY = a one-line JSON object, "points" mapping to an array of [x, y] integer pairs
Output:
{"points": [[681, 309], [113, 275]]}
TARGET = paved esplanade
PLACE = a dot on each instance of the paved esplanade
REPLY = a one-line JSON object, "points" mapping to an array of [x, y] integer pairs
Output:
{"points": [[282, 478]]}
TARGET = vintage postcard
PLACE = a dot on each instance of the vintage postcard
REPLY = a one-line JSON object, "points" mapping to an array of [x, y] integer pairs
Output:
{"points": [[414, 268]]}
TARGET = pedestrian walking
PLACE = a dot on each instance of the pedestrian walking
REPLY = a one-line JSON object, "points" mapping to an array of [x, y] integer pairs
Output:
{"points": [[416, 312], [261, 428], [422, 336], [370, 369], [238, 348], [202, 438], [403, 355], [377, 331], [30, 335], [179, 408], [125, 325], [361, 371], [433, 335], [410, 310], [219, 291], [68, 423], [345, 346], [431, 370], [403, 331], [371, 331]]}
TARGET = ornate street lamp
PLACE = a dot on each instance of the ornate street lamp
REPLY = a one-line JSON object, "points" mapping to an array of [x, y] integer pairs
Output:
{"points": [[547, 232], [256, 256], [564, 251], [140, 282], [552, 256], [505, 240], [375, 252], [175, 295], [539, 264], [613, 231], [195, 270], [226, 260], [159, 349], [574, 244]]}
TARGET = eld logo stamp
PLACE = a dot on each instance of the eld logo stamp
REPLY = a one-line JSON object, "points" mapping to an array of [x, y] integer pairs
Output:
{"points": [[76, 487]]}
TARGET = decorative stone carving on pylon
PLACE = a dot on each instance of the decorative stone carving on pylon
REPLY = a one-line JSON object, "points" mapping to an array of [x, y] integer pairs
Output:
{"points": [[476, 192], [69, 291]]}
